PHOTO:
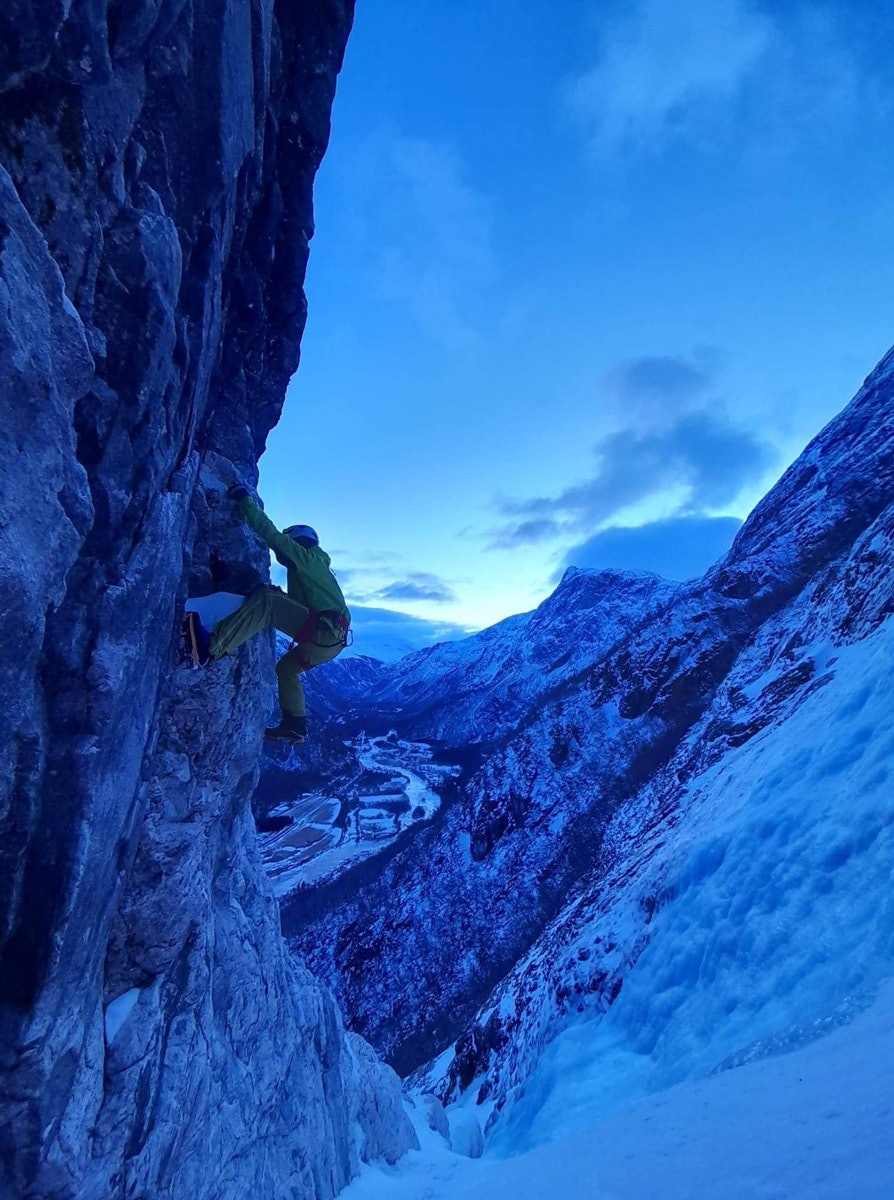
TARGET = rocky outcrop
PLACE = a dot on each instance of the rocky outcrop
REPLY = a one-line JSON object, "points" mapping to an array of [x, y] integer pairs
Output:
{"points": [[155, 211], [459, 906]]}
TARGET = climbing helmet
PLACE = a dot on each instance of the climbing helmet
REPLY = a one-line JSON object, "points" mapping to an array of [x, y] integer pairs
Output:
{"points": [[303, 533]]}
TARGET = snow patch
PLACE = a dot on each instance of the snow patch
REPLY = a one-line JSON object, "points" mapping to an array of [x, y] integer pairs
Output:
{"points": [[118, 1011]]}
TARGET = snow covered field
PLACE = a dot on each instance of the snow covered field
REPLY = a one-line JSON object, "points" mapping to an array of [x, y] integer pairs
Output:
{"points": [[816, 1123], [327, 835]]}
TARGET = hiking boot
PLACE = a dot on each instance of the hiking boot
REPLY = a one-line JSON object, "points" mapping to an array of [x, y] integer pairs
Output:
{"points": [[197, 640], [290, 729]]}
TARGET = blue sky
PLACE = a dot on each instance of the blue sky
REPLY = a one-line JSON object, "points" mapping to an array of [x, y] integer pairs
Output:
{"points": [[586, 278]]}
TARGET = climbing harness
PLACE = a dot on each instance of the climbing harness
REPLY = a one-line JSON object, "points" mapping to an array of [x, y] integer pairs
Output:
{"points": [[310, 628]]}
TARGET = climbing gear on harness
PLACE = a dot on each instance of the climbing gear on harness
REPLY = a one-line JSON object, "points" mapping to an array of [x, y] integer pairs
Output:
{"points": [[310, 629]]}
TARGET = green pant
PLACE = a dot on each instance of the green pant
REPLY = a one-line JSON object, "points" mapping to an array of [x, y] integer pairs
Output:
{"points": [[266, 607]]}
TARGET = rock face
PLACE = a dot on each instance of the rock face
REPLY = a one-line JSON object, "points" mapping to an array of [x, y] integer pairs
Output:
{"points": [[581, 777], [155, 210]]}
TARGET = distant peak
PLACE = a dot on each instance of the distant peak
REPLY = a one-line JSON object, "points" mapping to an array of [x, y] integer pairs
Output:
{"points": [[615, 576]]}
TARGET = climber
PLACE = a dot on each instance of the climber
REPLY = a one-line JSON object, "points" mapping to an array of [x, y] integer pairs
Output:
{"points": [[313, 614]]}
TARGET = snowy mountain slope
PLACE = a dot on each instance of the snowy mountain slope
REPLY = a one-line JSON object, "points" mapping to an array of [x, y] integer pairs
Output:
{"points": [[345, 679], [476, 689], [729, 911], [812, 1122], [409, 944]]}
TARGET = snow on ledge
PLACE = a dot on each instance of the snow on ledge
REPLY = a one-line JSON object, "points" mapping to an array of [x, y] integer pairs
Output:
{"points": [[118, 1011]]}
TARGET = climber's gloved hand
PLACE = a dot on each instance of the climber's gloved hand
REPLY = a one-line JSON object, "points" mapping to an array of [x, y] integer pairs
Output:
{"points": [[237, 491]]}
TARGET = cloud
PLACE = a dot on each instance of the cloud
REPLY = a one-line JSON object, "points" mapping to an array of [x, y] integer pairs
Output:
{"points": [[652, 387], [679, 453], [819, 82], [676, 548], [435, 229], [369, 566], [388, 635], [525, 533], [665, 66], [669, 71], [417, 585], [702, 453]]}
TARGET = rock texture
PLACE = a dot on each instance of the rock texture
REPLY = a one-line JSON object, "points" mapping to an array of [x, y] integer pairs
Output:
{"points": [[583, 773], [155, 211]]}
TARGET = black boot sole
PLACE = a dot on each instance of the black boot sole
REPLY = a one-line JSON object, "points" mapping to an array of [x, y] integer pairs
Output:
{"points": [[273, 735]]}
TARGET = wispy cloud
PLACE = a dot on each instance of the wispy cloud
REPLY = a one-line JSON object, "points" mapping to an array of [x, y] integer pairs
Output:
{"points": [[371, 565], [415, 198], [665, 65], [524, 533], [704, 454], [677, 548], [655, 388], [673, 70], [417, 585], [817, 84], [678, 450]]}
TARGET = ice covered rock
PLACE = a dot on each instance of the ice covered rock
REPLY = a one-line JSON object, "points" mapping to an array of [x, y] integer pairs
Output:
{"points": [[466, 1137], [435, 1115]]}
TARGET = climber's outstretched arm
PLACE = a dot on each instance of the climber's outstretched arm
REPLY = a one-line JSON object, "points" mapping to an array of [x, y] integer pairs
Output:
{"points": [[285, 549]]}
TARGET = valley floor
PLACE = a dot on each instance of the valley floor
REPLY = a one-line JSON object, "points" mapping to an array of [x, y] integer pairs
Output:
{"points": [[323, 835], [814, 1124]]}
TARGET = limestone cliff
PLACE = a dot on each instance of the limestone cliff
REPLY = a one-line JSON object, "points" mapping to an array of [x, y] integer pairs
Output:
{"points": [[155, 210]]}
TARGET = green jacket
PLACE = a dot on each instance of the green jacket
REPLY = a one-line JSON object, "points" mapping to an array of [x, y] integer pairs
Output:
{"points": [[310, 581]]}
